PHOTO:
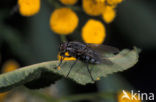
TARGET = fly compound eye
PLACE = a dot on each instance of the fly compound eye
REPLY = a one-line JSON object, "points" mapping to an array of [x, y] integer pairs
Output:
{"points": [[62, 49]]}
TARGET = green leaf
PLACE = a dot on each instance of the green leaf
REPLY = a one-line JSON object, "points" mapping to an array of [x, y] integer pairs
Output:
{"points": [[46, 71]]}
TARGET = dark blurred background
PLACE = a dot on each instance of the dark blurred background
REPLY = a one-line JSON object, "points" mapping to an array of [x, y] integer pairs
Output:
{"points": [[29, 40]]}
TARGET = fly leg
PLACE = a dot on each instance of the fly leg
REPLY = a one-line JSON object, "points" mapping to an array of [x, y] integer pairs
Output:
{"points": [[71, 67], [90, 72], [62, 58]]}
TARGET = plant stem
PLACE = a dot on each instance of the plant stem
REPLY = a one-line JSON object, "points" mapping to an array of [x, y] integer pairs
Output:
{"points": [[63, 38], [54, 3]]}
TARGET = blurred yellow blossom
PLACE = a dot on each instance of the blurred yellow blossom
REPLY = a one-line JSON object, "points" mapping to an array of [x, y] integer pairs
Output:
{"points": [[98, 78], [68, 2], [93, 32], [109, 14], [2, 96], [121, 99], [114, 2], [93, 7], [29, 7], [63, 21], [66, 58], [100, 1], [10, 66]]}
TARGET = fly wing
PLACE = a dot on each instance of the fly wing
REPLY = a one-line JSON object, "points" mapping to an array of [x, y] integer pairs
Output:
{"points": [[103, 48], [106, 61], [91, 53], [101, 59]]}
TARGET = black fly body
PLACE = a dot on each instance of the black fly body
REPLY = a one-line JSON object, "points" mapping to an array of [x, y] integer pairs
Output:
{"points": [[87, 53]]}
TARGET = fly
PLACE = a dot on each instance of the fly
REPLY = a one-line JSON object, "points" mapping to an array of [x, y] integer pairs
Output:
{"points": [[86, 53]]}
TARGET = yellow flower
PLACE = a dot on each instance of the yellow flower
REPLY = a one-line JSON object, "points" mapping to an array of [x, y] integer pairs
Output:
{"points": [[2, 96], [66, 58], [98, 78], [68, 2], [29, 7], [100, 1], [93, 32], [121, 99], [109, 14], [93, 7], [10, 66], [114, 2], [63, 21]]}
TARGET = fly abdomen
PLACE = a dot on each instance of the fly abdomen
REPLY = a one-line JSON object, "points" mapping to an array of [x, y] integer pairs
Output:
{"points": [[88, 59], [93, 61]]}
